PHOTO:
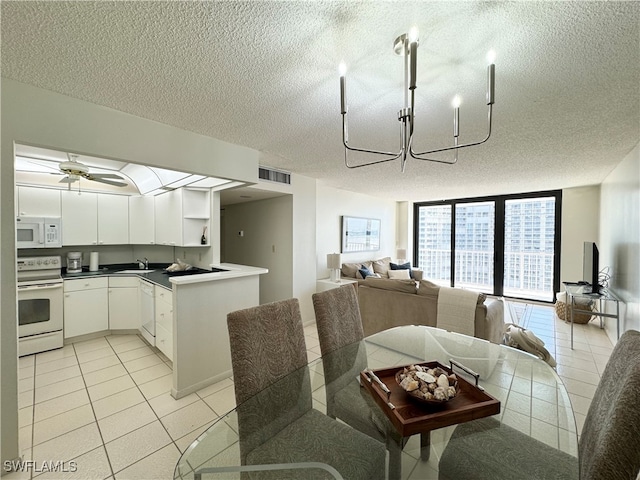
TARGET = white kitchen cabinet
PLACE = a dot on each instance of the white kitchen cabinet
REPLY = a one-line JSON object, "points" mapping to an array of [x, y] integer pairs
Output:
{"points": [[181, 217], [79, 218], [142, 220], [94, 219], [168, 212], [113, 220], [124, 311], [39, 202], [86, 306], [164, 321]]}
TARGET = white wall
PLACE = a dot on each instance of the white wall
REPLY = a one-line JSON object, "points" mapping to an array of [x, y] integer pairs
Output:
{"points": [[619, 242], [304, 243], [266, 241], [332, 204], [33, 116], [580, 220]]}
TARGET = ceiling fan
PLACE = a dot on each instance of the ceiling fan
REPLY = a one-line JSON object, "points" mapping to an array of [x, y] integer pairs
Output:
{"points": [[76, 170]]}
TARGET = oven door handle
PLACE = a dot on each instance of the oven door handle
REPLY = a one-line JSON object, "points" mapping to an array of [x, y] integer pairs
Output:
{"points": [[32, 288]]}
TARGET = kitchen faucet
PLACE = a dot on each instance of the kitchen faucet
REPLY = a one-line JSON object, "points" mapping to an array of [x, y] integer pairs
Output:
{"points": [[143, 264]]}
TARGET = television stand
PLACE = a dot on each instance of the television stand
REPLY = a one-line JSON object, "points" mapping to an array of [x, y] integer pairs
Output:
{"points": [[577, 290]]}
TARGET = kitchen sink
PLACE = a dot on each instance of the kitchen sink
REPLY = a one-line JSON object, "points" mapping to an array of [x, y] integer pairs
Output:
{"points": [[136, 271]]}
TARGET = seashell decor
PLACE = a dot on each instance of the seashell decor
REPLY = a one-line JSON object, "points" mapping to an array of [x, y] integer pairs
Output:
{"points": [[430, 384]]}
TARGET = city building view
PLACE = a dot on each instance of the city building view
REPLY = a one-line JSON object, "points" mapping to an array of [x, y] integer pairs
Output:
{"points": [[528, 254]]}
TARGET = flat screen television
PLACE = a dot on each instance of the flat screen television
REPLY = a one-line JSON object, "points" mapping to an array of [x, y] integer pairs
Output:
{"points": [[590, 270]]}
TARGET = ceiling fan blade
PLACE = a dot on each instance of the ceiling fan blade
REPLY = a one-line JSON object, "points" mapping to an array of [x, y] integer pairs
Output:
{"points": [[105, 175], [68, 179], [104, 180], [56, 170]]}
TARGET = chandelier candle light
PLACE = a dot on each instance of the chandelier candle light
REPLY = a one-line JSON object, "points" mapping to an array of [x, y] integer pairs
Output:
{"points": [[406, 45]]}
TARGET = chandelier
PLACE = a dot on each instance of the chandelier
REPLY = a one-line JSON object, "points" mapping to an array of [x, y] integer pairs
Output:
{"points": [[406, 45]]}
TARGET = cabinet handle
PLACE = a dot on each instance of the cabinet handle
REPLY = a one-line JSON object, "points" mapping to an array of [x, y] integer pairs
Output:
{"points": [[94, 243], [101, 243]]}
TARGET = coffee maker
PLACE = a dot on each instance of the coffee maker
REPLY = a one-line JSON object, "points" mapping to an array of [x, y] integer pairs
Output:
{"points": [[74, 262]]}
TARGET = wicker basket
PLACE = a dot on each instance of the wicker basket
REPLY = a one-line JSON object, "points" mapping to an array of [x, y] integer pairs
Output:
{"points": [[563, 312]]}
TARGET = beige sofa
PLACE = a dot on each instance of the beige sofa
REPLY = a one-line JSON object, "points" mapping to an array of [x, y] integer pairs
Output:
{"points": [[386, 303]]}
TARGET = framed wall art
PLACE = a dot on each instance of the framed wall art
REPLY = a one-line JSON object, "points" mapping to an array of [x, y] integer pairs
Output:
{"points": [[360, 234]]}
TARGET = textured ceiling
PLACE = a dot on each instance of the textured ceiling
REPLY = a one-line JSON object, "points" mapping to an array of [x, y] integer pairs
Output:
{"points": [[264, 75]]}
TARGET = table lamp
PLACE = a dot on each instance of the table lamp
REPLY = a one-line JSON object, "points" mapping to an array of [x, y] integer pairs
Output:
{"points": [[333, 264], [401, 254]]}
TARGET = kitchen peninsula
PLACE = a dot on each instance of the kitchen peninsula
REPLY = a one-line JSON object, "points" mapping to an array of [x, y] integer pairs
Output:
{"points": [[200, 337], [190, 316]]}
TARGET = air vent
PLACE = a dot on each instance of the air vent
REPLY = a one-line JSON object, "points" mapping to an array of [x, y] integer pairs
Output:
{"points": [[272, 175]]}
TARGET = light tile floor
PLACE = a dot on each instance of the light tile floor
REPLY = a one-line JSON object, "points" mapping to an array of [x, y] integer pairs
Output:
{"points": [[105, 403]]}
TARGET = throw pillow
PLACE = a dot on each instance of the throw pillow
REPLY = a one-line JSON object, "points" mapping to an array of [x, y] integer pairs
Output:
{"points": [[399, 274], [366, 265], [404, 286], [404, 266], [365, 272], [381, 266]]}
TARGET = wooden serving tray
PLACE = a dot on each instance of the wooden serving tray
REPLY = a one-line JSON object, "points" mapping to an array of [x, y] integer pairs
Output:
{"points": [[411, 416]]}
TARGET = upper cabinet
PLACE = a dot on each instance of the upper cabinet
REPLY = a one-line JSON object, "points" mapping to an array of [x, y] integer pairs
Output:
{"points": [[94, 219], [79, 218], [142, 220], [113, 220], [168, 212], [182, 217], [38, 202], [179, 218]]}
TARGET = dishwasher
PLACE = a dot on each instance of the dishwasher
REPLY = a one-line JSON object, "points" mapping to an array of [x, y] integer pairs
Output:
{"points": [[147, 312]]}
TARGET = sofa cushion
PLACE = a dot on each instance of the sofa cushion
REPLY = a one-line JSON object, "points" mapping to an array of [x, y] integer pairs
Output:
{"points": [[350, 269], [404, 286], [399, 274], [381, 266], [416, 274]]}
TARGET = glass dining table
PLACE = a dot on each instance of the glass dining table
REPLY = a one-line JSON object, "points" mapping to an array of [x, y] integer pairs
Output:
{"points": [[533, 401]]}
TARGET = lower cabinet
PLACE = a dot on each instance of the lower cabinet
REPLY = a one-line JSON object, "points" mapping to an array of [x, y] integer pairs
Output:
{"points": [[164, 321], [124, 312], [86, 306]]}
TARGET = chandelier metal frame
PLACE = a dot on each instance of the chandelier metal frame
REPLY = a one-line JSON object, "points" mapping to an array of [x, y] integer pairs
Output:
{"points": [[406, 45]]}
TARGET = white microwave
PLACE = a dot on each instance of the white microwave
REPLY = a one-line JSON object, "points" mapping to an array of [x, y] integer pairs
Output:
{"points": [[38, 232]]}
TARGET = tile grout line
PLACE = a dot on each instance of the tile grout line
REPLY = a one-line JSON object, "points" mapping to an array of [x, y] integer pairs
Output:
{"points": [[104, 448], [113, 474]]}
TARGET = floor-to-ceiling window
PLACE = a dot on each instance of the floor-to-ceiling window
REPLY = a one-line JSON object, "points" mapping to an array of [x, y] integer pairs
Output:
{"points": [[507, 245]]}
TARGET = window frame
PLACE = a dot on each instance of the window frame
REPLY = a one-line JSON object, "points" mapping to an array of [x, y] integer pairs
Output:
{"points": [[499, 232]]}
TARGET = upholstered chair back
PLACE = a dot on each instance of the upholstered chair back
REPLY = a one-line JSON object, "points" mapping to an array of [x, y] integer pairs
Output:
{"points": [[337, 318], [267, 343], [610, 441]]}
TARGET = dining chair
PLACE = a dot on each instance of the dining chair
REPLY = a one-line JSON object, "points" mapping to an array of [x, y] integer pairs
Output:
{"points": [[609, 447], [344, 357], [276, 420]]}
